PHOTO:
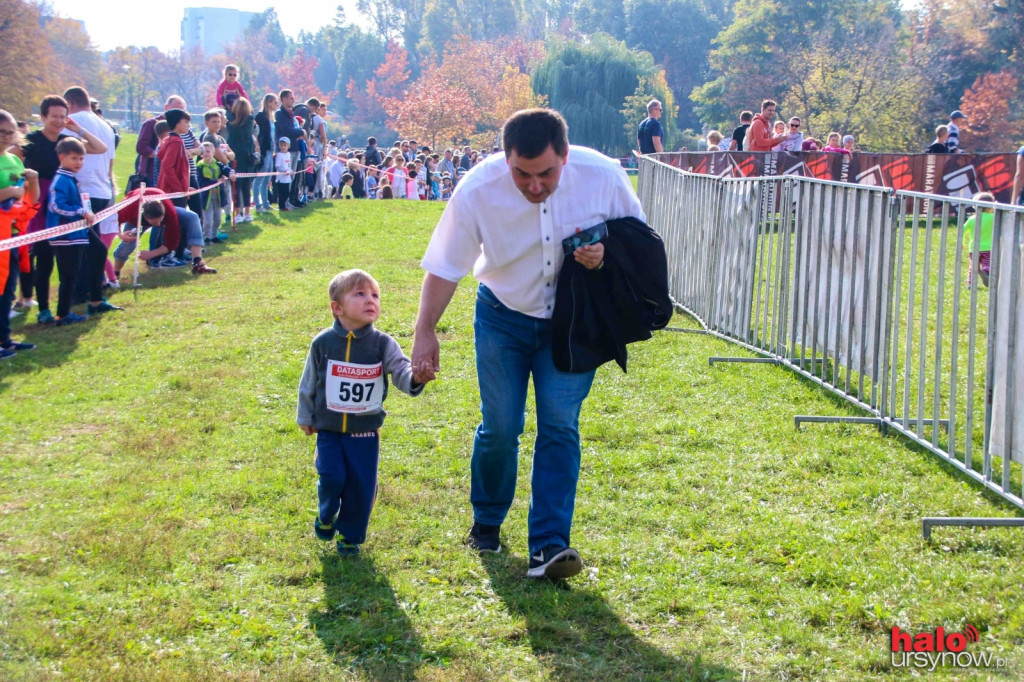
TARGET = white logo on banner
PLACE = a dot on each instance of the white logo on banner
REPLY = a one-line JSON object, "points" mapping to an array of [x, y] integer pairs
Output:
{"points": [[963, 182], [872, 177]]}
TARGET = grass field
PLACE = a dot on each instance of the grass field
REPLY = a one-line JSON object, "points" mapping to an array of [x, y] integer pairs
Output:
{"points": [[157, 500]]}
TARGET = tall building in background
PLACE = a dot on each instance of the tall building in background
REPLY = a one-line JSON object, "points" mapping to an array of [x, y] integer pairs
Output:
{"points": [[211, 28]]}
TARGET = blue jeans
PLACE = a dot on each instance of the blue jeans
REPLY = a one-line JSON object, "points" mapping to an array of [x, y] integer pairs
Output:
{"points": [[510, 347], [261, 186], [347, 489]]}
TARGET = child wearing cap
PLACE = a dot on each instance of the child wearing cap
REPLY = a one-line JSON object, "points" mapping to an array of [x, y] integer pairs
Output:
{"points": [[283, 165]]}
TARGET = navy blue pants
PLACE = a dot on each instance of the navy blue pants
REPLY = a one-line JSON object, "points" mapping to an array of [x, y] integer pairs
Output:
{"points": [[347, 464]]}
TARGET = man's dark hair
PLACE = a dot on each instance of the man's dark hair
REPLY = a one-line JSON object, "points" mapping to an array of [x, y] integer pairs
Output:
{"points": [[768, 103], [285, 93], [746, 117], [313, 103], [78, 96], [49, 102], [531, 131], [153, 210], [371, 140]]}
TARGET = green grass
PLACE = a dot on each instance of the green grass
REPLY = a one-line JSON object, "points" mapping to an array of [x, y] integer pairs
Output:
{"points": [[157, 500]]}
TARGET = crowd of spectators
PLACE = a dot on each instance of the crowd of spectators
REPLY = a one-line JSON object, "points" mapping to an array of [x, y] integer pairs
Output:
{"points": [[203, 174]]}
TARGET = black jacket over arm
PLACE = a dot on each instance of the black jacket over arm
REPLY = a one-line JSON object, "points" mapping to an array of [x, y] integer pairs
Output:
{"points": [[597, 312]]}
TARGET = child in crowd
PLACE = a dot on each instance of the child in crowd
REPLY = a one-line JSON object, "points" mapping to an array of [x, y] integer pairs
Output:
{"points": [[446, 187], [311, 176], [210, 171], [385, 191], [986, 217], [341, 396], [229, 89], [18, 186], [411, 188], [371, 182], [833, 145], [346, 189], [283, 164], [174, 169], [335, 169], [66, 205]]}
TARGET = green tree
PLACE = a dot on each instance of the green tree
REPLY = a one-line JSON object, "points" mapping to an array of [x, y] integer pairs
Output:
{"points": [[358, 57], [590, 84], [678, 34], [748, 63], [601, 16], [856, 78]]}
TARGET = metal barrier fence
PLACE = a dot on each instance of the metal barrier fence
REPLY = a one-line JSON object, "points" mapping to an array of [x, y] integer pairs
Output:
{"points": [[862, 290]]}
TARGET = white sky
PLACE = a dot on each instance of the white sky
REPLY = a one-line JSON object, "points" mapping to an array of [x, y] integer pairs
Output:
{"points": [[115, 24]]}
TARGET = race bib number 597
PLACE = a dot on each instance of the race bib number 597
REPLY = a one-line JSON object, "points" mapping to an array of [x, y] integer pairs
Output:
{"points": [[354, 389]]}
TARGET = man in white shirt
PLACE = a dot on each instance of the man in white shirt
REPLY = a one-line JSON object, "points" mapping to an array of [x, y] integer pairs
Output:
{"points": [[506, 221], [97, 180]]}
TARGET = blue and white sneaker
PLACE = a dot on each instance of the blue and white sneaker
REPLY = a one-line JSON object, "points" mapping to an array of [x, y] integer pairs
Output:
{"points": [[555, 562]]}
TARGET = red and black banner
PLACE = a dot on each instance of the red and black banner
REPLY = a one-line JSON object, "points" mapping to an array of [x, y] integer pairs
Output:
{"points": [[953, 175]]}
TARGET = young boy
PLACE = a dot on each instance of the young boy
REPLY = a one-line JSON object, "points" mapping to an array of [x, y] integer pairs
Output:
{"points": [[283, 165], [174, 169], [984, 218], [346, 188], [341, 396], [210, 172], [66, 205], [371, 182]]}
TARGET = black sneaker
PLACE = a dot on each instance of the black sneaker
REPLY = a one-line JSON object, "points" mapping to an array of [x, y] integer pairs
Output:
{"points": [[555, 562], [484, 538]]}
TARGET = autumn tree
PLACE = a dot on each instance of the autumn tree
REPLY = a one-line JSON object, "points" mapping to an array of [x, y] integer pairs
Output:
{"points": [[297, 74], [432, 110], [389, 82], [359, 55], [25, 58], [993, 109]]}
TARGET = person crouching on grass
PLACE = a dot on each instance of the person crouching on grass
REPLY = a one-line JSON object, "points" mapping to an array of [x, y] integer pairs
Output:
{"points": [[341, 397]]}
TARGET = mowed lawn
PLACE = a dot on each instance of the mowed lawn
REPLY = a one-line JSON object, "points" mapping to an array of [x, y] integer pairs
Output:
{"points": [[156, 504]]}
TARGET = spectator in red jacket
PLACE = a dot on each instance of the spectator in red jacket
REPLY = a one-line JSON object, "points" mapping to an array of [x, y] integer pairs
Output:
{"points": [[761, 137], [174, 169]]}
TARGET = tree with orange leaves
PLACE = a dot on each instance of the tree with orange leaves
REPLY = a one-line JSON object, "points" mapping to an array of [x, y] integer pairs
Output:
{"points": [[297, 75], [433, 110], [993, 109]]}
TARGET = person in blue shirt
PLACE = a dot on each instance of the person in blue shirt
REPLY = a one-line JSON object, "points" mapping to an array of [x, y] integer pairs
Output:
{"points": [[649, 134]]}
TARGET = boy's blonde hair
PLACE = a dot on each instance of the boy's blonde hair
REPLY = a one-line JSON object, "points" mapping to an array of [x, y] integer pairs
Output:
{"points": [[348, 280], [985, 196]]}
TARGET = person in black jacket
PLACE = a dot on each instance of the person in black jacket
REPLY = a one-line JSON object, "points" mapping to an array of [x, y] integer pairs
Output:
{"points": [[285, 127], [267, 139]]}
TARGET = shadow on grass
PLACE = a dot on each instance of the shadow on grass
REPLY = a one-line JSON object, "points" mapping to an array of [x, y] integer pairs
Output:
{"points": [[579, 637], [360, 623], [53, 344]]}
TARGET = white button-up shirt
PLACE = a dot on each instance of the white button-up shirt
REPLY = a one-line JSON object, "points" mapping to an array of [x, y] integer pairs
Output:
{"points": [[514, 246]]}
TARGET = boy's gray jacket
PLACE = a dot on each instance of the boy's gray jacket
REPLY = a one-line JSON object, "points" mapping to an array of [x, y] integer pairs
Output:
{"points": [[365, 346]]}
